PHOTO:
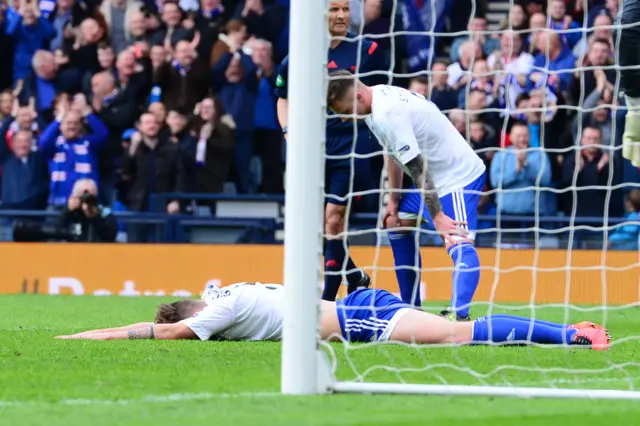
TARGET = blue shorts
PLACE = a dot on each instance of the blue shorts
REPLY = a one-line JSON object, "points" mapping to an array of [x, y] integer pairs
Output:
{"points": [[461, 205], [366, 314]]}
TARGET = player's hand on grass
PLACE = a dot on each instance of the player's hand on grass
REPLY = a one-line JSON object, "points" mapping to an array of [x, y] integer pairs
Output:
{"points": [[448, 227]]}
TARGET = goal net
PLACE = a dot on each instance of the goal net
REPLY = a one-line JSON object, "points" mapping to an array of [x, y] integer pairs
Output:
{"points": [[559, 244]]}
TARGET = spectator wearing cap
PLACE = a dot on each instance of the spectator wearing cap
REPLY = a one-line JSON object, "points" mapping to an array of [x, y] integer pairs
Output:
{"points": [[30, 33], [236, 83], [46, 82], [215, 148], [25, 175], [118, 112], [185, 80], [268, 134], [115, 13], [72, 155], [554, 65]]}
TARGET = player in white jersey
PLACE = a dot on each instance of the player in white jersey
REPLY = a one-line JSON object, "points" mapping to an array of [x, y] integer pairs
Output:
{"points": [[247, 311], [422, 142]]}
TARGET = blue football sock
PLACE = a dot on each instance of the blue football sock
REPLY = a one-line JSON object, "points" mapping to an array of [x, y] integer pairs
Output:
{"points": [[507, 328], [466, 275], [405, 249], [333, 260], [354, 275], [529, 320]]}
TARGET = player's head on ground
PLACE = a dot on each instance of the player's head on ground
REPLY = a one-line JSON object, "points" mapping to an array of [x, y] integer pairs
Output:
{"points": [[170, 313], [339, 17], [344, 89]]}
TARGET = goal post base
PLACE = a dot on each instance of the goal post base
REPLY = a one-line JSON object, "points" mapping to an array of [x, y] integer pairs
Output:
{"points": [[461, 390]]}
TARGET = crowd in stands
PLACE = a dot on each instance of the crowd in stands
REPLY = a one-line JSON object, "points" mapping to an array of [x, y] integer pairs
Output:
{"points": [[148, 97]]}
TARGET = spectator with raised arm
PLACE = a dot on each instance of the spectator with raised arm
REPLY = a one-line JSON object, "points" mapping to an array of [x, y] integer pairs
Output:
{"points": [[459, 73], [152, 165], [512, 66], [518, 172], [22, 118], [588, 166], [185, 80], [65, 17], [48, 81], [134, 76], [235, 82], [232, 37], [268, 134], [30, 33], [72, 154], [264, 21], [583, 81], [25, 175], [554, 65], [209, 19], [215, 149], [172, 30], [119, 113], [561, 22]]}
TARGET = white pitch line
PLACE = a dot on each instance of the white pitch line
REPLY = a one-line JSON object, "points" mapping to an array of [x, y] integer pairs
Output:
{"points": [[175, 397]]}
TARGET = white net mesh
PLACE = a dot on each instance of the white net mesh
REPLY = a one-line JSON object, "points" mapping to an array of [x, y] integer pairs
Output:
{"points": [[560, 244]]}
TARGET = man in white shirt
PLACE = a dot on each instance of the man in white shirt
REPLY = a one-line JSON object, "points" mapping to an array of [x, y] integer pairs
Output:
{"points": [[422, 142], [247, 311]]}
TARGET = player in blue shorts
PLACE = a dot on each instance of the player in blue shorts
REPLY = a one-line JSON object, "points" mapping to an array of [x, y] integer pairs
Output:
{"points": [[343, 54], [421, 142], [253, 311]]}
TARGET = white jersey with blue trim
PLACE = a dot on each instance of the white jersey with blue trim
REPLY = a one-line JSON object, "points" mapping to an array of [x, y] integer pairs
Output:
{"points": [[241, 311], [408, 125]]}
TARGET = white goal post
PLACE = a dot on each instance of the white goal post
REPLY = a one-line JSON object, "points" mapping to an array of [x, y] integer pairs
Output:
{"points": [[306, 368]]}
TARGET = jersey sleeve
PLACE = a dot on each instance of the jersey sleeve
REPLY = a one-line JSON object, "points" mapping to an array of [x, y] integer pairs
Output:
{"points": [[213, 319], [398, 133], [281, 89]]}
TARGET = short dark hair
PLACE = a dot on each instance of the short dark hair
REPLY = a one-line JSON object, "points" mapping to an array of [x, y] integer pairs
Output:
{"points": [[170, 313], [339, 84], [518, 123], [603, 41], [420, 79]]}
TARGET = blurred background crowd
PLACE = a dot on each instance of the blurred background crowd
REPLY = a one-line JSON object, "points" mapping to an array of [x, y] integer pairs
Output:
{"points": [[123, 99]]}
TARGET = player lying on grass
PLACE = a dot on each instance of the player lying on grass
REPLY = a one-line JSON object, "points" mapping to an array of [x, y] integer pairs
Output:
{"points": [[247, 311], [421, 141]]}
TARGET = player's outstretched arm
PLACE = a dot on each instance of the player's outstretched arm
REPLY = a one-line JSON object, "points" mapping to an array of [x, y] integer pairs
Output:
{"points": [[176, 331]]}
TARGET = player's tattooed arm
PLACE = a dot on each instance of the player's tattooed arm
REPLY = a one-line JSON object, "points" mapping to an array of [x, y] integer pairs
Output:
{"points": [[141, 333], [422, 178]]}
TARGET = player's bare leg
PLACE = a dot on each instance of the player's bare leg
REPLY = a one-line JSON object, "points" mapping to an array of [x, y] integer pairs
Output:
{"points": [[336, 255]]}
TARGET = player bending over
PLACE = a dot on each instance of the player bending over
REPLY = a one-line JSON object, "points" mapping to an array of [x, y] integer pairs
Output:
{"points": [[341, 177], [421, 141], [246, 311]]}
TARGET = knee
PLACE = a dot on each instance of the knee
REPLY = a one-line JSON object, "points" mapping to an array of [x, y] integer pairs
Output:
{"points": [[458, 242], [399, 226], [334, 220]]}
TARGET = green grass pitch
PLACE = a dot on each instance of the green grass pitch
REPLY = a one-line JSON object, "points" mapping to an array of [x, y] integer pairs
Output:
{"points": [[45, 381]]}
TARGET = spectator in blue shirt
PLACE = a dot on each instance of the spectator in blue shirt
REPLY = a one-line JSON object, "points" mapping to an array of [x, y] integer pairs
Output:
{"points": [[626, 237], [30, 32], [71, 154], [517, 172], [561, 22], [554, 65]]}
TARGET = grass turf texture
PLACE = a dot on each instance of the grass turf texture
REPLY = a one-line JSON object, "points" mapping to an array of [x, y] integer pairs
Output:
{"points": [[47, 381]]}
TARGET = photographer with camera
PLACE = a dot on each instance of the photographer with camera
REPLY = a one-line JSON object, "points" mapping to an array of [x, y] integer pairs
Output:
{"points": [[85, 218]]}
